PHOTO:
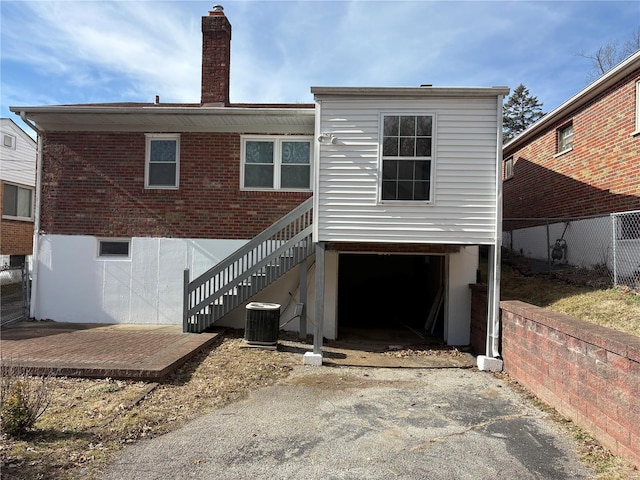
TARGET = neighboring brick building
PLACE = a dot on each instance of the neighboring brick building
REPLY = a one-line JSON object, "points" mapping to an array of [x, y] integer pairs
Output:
{"points": [[17, 181], [583, 158]]}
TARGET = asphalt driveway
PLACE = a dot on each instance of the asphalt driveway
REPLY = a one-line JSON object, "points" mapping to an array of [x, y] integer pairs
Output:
{"points": [[364, 423]]}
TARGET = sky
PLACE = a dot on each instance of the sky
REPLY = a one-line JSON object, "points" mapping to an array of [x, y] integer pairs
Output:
{"points": [[95, 51]]}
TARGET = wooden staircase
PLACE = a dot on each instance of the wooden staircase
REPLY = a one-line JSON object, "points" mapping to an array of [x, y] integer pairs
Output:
{"points": [[260, 262]]}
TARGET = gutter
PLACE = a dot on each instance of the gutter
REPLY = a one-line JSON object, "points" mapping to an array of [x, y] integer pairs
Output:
{"points": [[36, 214], [491, 359]]}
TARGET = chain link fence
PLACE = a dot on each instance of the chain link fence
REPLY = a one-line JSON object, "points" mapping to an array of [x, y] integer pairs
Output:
{"points": [[598, 251]]}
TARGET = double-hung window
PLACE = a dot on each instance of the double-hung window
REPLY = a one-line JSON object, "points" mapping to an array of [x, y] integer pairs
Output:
{"points": [[276, 163], [407, 157], [17, 202], [162, 164], [565, 138]]}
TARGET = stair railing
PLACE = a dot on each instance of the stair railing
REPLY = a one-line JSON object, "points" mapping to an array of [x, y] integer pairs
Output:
{"points": [[262, 260]]}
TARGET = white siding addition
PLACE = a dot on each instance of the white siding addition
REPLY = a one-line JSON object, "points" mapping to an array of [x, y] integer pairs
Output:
{"points": [[463, 205]]}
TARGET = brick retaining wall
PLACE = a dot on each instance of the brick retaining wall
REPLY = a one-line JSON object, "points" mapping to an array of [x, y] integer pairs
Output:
{"points": [[588, 373]]}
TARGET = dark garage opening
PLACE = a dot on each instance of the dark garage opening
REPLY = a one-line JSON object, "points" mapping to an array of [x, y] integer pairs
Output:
{"points": [[389, 292]]}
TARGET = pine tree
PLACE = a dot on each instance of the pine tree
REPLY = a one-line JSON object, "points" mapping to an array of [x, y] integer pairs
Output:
{"points": [[520, 111]]}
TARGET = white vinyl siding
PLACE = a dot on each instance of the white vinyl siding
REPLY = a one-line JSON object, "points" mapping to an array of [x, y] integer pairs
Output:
{"points": [[19, 160], [463, 206]]}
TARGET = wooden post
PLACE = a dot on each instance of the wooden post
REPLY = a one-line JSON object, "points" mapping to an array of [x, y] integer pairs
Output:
{"points": [[185, 302], [303, 299]]}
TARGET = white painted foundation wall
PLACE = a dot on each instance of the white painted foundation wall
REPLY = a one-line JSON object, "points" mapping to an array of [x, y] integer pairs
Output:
{"points": [[74, 285]]}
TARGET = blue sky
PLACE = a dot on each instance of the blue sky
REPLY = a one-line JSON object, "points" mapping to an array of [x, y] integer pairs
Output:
{"points": [[66, 52]]}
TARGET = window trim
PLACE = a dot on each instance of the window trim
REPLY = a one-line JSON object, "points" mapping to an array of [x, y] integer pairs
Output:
{"points": [[277, 140], [18, 217], [147, 160], [637, 131], [6, 135], [432, 158], [559, 131], [101, 256]]}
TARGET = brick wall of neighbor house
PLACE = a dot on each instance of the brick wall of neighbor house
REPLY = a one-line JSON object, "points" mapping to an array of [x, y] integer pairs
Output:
{"points": [[588, 373], [600, 175], [16, 236], [93, 184]]}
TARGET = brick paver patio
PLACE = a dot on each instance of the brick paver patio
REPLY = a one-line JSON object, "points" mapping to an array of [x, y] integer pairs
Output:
{"points": [[98, 350]]}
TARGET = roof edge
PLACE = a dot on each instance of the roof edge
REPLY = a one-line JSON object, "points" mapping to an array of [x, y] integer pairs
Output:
{"points": [[585, 95], [426, 91]]}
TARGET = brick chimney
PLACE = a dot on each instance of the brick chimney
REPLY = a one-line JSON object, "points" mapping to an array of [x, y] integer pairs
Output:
{"points": [[216, 56]]}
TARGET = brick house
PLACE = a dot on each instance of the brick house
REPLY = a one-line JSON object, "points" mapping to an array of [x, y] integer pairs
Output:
{"points": [[168, 214], [17, 184], [580, 160]]}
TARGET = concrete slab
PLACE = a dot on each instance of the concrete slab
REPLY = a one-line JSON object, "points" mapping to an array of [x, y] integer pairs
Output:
{"points": [[354, 423], [140, 352]]}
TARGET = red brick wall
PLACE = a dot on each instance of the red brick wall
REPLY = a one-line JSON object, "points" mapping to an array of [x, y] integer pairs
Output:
{"points": [[600, 175], [16, 237], [588, 373], [93, 184]]}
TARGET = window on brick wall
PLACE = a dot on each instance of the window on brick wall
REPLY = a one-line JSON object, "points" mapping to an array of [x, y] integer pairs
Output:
{"points": [[407, 157], [17, 202], [637, 107], [162, 163], [565, 138], [508, 169], [276, 163]]}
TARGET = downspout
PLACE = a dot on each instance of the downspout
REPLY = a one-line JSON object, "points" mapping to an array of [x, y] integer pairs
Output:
{"points": [[491, 361], [36, 215]]}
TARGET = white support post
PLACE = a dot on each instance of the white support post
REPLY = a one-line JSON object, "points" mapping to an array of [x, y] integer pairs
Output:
{"points": [[315, 358]]}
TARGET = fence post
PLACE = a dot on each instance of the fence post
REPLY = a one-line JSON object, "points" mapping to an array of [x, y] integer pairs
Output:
{"points": [[614, 242]]}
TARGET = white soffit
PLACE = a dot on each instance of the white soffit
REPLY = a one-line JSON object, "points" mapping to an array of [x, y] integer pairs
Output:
{"points": [[170, 119]]}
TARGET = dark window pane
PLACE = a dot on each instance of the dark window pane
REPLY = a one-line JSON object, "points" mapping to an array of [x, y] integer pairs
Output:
{"points": [[405, 190], [423, 147], [114, 248], [391, 126], [423, 170], [390, 170], [10, 200], [389, 189], [162, 174], [163, 151], [296, 152], [259, 152], [390, 147], [407, 126], [407, 147], [424, 127], [405, 170], [258, 176], [294, 176], [421, 191]]}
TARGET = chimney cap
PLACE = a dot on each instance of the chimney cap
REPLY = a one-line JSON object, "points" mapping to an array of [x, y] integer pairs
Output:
{"points": [[218, 9]]}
